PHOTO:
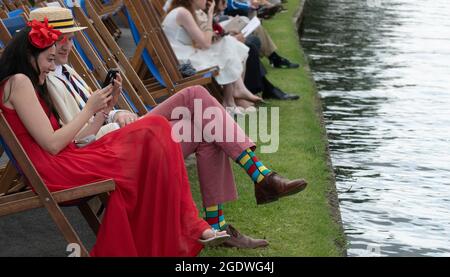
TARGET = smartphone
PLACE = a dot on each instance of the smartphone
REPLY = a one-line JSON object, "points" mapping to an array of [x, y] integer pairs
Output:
{"points": [[112, 73]]}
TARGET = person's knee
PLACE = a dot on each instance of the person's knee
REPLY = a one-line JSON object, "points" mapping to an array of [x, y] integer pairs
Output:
{"points": [[253, 41], [159, 122], [200, 92]]}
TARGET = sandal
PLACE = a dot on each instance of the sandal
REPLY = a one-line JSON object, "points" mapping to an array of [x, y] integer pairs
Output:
{"points": [[214, 240]]}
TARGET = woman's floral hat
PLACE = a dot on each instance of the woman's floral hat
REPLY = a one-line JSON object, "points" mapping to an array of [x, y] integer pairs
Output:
{"points": [[42, 35]]}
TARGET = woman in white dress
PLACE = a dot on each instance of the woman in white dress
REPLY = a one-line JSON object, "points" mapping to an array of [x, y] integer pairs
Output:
{"points": [[189, 42]]}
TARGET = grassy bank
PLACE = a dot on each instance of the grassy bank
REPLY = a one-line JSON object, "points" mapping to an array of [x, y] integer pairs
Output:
{"points": [[300, 225]]}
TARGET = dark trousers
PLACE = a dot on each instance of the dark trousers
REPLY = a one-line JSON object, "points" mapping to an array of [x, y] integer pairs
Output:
{"points": [[255, 73]]}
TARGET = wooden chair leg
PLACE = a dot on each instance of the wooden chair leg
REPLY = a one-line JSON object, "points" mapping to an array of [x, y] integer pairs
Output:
{"points": [[9, 175], [66, 229], [90, 216]]}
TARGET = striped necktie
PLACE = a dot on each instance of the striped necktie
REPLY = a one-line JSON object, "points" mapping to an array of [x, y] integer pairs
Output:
{"points": [[74, 84]]}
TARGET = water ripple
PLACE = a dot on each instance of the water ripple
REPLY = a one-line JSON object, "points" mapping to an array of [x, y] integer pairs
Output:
{"points": [[382, 72]]}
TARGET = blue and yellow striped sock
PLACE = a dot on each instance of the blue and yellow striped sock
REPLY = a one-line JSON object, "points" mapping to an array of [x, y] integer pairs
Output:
{"points": [[252, 165], [214, 216]]}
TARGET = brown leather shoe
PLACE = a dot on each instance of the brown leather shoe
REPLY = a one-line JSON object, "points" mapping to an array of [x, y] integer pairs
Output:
{"points": [[242, 241], [274, 186]]}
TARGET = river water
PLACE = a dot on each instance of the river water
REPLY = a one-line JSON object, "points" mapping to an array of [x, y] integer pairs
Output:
{"points": [[382, 68]]}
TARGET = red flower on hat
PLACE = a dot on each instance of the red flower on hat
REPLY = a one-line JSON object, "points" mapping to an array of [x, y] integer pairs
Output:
{"points": [[42, 35]]}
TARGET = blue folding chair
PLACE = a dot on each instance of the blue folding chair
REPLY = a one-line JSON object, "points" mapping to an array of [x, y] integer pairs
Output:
{"points": [[142, 17], [14, 24], [145, 55], [15, 13], [110, 59]]}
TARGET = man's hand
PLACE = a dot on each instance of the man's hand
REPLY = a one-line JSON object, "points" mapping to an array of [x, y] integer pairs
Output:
{"points": [[254, 4], [116, 91], [124, 118], [238, 35]]}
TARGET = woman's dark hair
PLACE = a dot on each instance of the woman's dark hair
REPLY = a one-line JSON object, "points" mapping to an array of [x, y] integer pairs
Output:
{"points": [[183, 3], [216, 7], [16, 58]]}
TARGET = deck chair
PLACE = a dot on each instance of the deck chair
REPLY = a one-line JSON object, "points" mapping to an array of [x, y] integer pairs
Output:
{"points": [[101, 54], [106, 44], [41, 197], [96, 66], [159, 6], [10, 5], [153, 85], [98, 58], [143, 17], [106, 10], [5, 36], [14, 24], [3, 13]]}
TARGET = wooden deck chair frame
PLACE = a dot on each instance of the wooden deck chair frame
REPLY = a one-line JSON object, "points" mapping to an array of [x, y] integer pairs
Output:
{"points": [[151, 87], [42, 197], [9, 177], [100, 69], [3, 13], [130, 83], [147, 22], [106, 12], [159, 5], [153, 21], [5, 36]]}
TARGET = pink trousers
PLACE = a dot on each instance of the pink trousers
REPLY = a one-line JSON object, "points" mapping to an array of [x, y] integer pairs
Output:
{"points": [[213, 165]]}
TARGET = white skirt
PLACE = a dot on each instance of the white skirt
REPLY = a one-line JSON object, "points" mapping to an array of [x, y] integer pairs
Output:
{"points": [[228, 54]]}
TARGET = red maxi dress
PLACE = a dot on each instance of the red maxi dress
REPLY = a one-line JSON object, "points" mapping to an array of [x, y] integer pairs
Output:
{"points": [[151, 212]]}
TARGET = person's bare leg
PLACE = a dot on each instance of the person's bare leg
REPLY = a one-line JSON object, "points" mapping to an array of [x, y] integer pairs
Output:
{"points": [[240, 91], [245, 104], [228, 99]]}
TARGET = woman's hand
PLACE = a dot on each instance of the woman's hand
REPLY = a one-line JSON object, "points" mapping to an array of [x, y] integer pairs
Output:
{"points": [[211, 9], [99, 99], [123, 118], [238, 35], [254, 4], [117, 90]]}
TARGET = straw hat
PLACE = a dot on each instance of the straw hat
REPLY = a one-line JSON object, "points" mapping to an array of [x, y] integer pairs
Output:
{"points": [[60, 18]]}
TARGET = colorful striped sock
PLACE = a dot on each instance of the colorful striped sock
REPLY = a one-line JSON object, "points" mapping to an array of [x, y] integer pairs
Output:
{"points": [[214, 216], [252, 165]]}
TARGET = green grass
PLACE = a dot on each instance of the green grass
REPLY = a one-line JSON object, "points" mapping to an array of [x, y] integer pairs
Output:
{"points": [[299, 225]]}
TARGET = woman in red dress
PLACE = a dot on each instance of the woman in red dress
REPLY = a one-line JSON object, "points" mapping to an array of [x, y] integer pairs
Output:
{"points": [[151, 211]]}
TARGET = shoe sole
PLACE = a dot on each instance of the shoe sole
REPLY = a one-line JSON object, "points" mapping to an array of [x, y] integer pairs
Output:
{"points": [[284, 67], [215, 241]]}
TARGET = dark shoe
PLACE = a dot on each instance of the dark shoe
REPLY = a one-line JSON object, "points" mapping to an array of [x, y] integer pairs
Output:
{"points": [[267, 12], [239, 240], [274, 186], [277, 93], [283, 63]]}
